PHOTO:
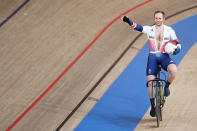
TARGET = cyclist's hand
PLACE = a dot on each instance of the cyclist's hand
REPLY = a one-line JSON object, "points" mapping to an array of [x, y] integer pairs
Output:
{"points": [[125, 19], [177, 50], [172, 52]]}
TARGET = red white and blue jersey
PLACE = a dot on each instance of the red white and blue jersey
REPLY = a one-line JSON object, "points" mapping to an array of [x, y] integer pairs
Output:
{"points": [[168, 35]]}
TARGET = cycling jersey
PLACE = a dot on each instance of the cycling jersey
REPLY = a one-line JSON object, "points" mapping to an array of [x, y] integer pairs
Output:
{"points": [[168, 35]]}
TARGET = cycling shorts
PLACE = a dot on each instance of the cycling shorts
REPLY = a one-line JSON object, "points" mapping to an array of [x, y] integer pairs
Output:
{"points": [[158, 58]]}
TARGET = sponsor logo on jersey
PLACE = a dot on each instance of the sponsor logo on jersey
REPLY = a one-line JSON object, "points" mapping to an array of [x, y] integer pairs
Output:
{"points": [[166, 38], [151, 37]]}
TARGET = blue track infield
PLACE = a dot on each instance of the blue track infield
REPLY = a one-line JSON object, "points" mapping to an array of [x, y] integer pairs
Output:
{"points": [[124, 104]]}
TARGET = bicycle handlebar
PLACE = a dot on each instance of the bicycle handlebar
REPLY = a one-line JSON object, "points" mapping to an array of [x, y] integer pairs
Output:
{"points": [[156, 79]]}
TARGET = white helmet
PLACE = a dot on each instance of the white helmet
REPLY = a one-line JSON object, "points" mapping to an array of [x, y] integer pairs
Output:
{"points": [[169, 47]]}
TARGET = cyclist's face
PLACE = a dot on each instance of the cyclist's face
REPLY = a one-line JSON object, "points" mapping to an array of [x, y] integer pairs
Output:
{"points": [[159, 19]]}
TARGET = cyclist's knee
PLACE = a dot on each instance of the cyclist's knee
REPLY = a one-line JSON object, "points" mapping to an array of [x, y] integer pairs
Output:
{"points": [[172, 69], [150, 77], [150, 84]]}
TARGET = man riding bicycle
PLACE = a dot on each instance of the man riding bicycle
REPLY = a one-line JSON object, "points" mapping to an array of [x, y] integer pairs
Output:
{"points": [[159, 36]]}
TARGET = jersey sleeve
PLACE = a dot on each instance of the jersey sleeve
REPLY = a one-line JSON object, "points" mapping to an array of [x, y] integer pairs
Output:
{"points": [[173, 36], [175, 40], [145, 29]]}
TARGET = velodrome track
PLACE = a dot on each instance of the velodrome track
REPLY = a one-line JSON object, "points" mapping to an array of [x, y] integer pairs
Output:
{"points": [[57, 60]]}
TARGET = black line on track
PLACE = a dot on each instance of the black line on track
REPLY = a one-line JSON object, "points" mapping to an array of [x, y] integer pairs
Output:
{"points": [[105, 74], [10, 16], [179, 12]]}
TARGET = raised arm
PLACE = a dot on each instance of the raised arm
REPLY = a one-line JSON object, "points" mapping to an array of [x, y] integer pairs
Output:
{"points": [[133, 24]]}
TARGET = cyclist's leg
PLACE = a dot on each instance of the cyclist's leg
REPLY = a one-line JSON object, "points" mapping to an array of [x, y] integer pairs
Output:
{"points": [[169, 65], [172, 73], [172, 69], [151, 72], [151, 92]]}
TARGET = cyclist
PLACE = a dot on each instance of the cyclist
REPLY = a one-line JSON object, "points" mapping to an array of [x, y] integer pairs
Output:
{"points": [[159, 36]]}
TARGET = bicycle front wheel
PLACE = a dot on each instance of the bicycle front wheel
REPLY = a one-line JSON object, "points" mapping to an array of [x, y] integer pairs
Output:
{"points": [[162, 101], [158, 106]]}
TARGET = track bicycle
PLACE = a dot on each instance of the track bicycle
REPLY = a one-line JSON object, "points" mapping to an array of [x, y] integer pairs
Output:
{"points": [[158, 86]]}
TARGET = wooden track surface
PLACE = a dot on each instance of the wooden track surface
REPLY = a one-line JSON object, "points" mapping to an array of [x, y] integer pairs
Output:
{"points": [[43, 38]]}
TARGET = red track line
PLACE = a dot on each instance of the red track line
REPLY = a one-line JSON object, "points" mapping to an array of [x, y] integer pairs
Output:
{"points": [[73, 62]]}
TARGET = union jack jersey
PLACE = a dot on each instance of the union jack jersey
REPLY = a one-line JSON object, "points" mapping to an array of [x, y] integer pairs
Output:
{"points": [[168, 35]]}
